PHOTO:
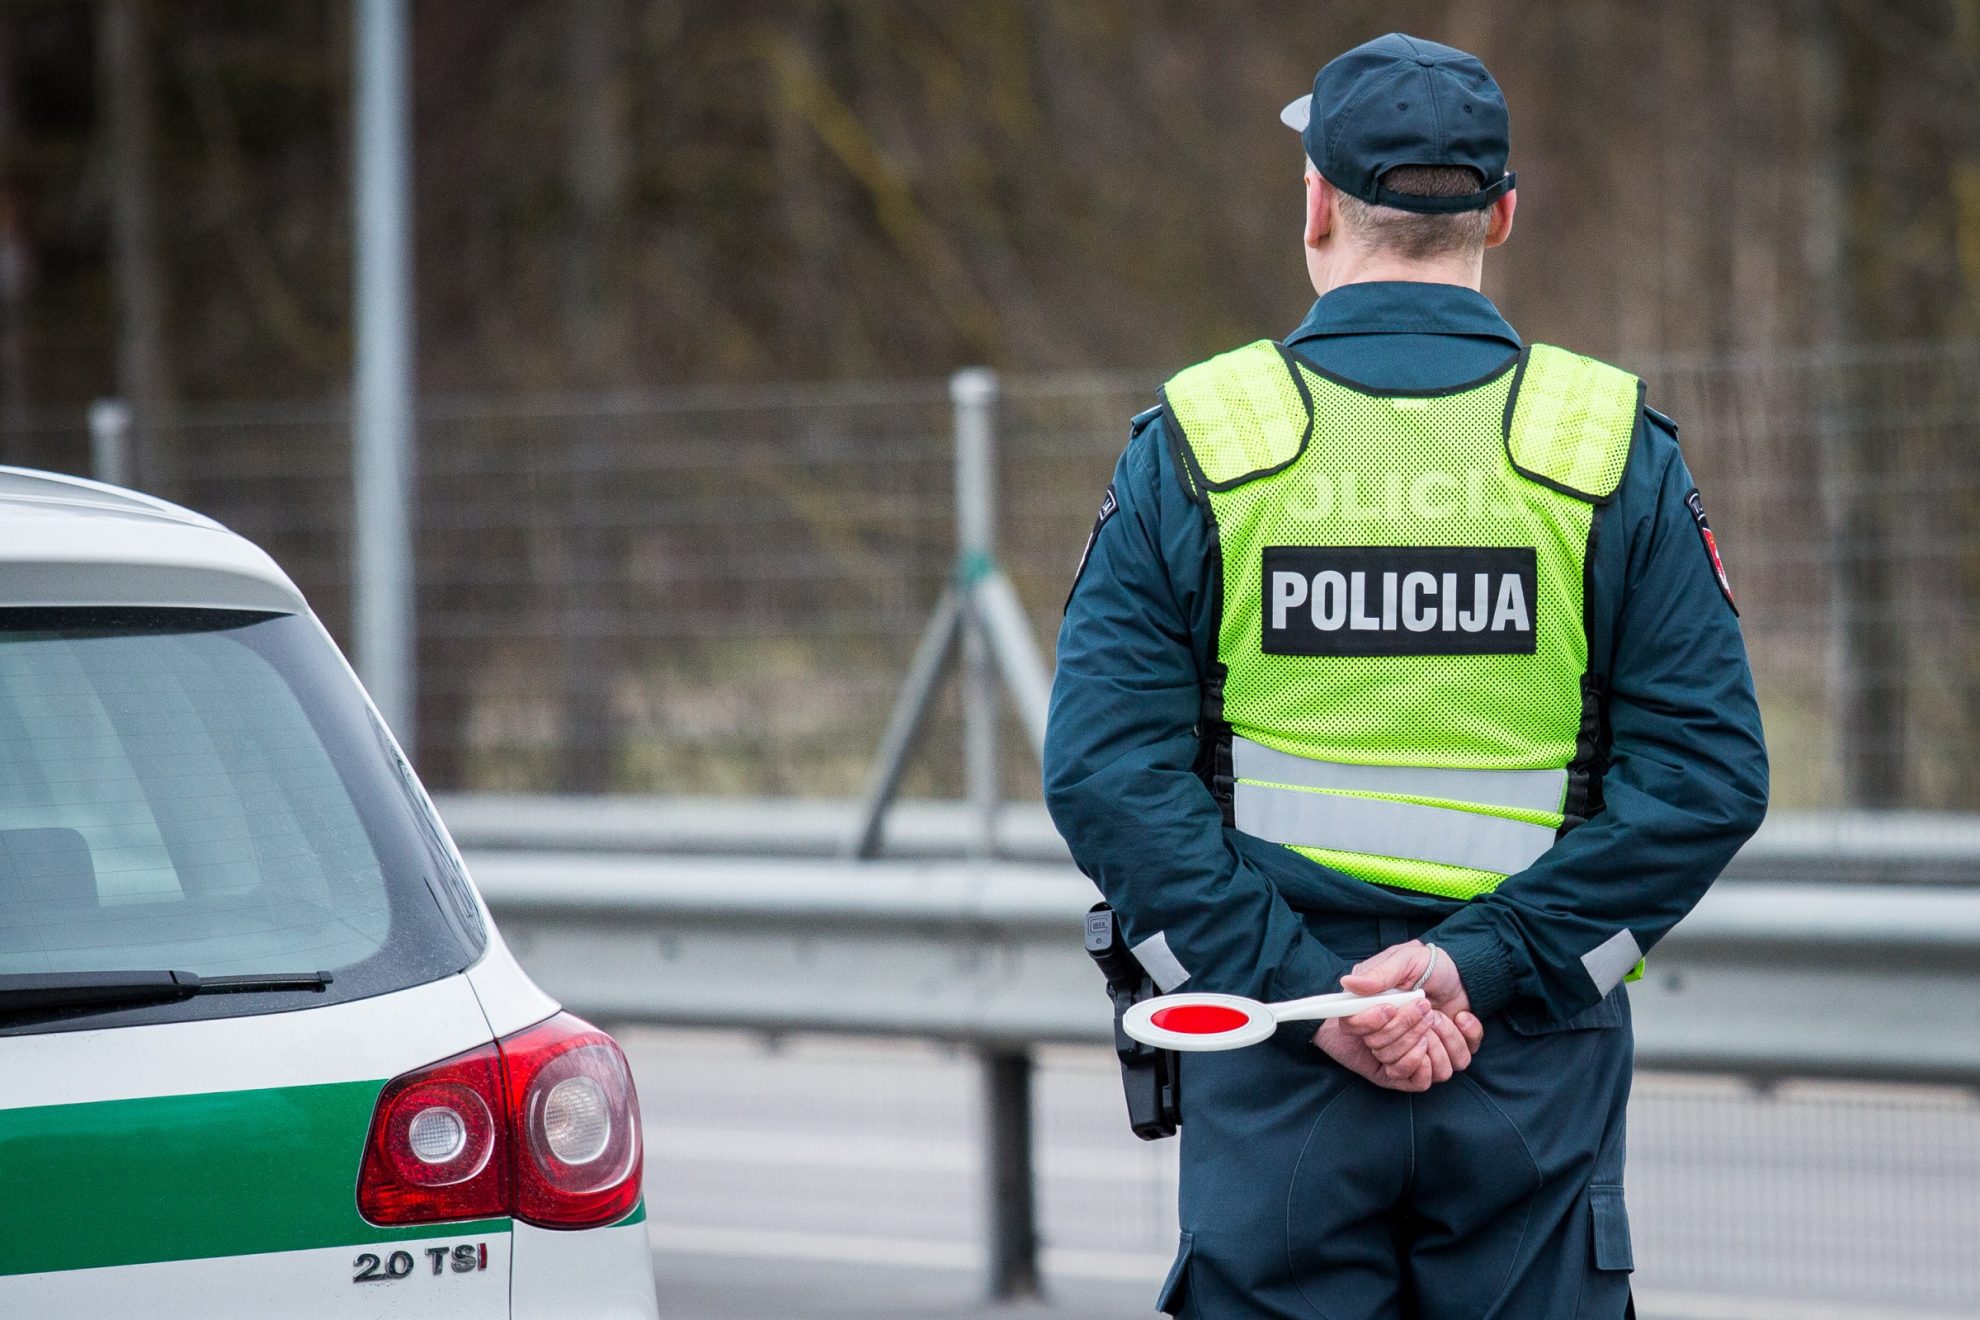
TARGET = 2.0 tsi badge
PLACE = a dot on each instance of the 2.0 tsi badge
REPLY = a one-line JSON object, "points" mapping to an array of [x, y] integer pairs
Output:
{"points": [[464, 1259]]}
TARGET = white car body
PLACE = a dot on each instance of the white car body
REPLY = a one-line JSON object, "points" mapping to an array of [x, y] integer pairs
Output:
{"points": [[209, 1165]]}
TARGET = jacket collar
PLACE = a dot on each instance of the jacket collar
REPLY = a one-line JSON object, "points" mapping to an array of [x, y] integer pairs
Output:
{"points": [[1397, 307]]}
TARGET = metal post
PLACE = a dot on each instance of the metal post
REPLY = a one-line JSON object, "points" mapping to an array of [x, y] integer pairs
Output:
{"points": [[110, 441], [127, 50], [973, 391], [381, 415], [1010, 1211], [1007, 1174]]}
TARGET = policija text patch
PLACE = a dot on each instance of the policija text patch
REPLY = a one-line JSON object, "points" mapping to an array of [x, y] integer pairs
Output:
{"points": [[1399, 600]]}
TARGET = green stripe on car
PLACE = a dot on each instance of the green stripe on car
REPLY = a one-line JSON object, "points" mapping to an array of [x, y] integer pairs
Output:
{"points": [[181, 1177]]}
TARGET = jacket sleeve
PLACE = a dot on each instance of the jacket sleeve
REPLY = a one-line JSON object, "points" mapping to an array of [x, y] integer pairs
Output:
{"points": [[1686, 782], [1121, 743]]}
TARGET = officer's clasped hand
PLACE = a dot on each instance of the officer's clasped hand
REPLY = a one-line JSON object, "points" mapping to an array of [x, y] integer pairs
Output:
{"points": [[1415, 1046]]}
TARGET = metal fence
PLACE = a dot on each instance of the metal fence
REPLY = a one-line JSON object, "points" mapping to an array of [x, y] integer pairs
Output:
{"points": [[717, 590]]}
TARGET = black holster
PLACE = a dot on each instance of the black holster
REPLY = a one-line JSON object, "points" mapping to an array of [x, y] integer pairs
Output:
{"points": [[1150, 1076]]}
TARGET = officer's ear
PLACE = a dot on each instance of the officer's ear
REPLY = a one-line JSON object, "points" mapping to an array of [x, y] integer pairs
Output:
{"points": [[1319, 207], [1499, 228]]}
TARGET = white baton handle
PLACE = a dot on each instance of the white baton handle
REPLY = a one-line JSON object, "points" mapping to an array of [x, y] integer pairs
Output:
{"points": [[1318, 1008]]}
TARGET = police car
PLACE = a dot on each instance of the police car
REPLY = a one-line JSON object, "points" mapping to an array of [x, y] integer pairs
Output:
{"points": [[262, 1051]]}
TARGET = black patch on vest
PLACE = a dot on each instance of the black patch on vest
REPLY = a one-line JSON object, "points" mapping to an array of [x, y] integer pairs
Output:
{"points": [[1399, 600]]}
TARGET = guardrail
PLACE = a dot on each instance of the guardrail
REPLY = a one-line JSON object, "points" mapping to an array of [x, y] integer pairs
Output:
{"points": [[1836, 847], [1764, 979]]}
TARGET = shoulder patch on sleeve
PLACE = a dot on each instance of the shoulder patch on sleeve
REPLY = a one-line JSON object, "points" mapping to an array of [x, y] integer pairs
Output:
{"points": [[1696, 504], [1109, 506]]}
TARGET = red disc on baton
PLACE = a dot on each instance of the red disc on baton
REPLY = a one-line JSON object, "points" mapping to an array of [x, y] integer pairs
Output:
{"points": [[1199, 1019]]}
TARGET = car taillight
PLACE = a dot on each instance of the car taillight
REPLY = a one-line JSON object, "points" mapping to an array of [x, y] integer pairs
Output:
{"points": [[575, 1124], [542, 1125], [433, 1152]]}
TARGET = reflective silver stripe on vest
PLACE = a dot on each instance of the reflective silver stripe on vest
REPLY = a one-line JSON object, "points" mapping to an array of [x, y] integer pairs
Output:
{"points": [[1389, 829], [1525, 790]]}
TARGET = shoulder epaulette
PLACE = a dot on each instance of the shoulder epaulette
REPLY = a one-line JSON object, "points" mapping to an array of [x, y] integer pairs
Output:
{"points": [[1240, 416], [1570, 420]]}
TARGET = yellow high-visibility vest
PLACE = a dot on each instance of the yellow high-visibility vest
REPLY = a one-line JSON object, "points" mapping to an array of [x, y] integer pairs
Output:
{"points": [[1402, 688]]}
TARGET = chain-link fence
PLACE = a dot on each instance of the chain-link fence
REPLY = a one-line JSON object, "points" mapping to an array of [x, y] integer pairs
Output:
{"points": [[717, 591]]}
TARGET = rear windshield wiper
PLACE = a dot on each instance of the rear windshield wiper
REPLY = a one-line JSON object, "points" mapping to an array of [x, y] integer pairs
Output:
{"points": [[102, 991]]}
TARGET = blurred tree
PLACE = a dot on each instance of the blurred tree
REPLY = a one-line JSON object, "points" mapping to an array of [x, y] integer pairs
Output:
{"points": [[625, 194], [792, 188], [16, 260], [596, 165]]}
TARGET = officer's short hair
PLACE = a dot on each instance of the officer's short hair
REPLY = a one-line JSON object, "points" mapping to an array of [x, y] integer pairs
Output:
{"points": [[1419, 235]]}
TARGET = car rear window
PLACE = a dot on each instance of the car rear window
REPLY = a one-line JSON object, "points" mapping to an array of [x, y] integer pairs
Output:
{"points": [[207, 791]]}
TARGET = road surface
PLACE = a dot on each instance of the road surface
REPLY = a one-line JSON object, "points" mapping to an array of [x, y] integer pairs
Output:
{"points": [[827, 1177]]}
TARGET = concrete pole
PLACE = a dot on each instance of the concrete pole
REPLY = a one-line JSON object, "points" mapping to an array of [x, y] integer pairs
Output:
{"points": [[381, 412], [973, 391]]}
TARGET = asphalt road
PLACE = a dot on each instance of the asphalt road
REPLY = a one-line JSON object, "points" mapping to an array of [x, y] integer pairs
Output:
{"points": [[839, 1178]]}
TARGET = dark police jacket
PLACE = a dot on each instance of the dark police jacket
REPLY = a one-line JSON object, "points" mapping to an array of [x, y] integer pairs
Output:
{"points": [[1686, 782]]}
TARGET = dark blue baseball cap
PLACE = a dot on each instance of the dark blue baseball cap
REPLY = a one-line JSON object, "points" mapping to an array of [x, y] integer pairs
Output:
{"points": [[1401, 100]]}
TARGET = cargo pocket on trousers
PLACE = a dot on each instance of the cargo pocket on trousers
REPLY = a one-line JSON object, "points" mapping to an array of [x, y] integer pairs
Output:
{"points": [[1606, 1296], [1175, 1289], [1611, 1228]]}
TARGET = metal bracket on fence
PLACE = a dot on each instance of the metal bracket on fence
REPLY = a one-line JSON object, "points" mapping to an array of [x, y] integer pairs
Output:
{"points": [[980, 610]]}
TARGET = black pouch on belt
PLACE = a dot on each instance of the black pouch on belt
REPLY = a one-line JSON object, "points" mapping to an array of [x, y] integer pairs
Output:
{"points": [[1150, 1076]]}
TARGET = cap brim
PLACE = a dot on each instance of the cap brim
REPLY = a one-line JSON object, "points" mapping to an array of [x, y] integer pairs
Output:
{"points": [[1294, 116]]}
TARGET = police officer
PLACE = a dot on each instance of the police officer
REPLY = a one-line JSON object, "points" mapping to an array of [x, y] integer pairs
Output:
{"points": [[1401, 655]]}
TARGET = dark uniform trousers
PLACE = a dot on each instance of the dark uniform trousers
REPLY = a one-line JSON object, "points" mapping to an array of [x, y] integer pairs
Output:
{"points": [[1310, 1194]]}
